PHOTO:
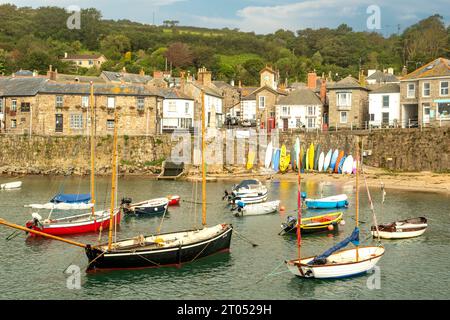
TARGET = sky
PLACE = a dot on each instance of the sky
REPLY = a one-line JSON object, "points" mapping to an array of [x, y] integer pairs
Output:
{"points": [[264, 16]]}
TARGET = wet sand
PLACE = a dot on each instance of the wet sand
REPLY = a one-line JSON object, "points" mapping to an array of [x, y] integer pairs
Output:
{"points": [[409, 181]]}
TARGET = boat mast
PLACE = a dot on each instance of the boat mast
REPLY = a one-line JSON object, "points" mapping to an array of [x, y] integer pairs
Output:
{"points": [[43, 234], [113, 180], [357, 191], [203, 163], [299, 207], [91, 104]]}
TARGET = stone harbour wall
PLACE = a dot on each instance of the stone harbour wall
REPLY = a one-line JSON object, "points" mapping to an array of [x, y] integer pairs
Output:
{"points": [[398, 150]]}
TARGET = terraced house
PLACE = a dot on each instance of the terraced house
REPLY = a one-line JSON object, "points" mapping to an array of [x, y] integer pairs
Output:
{"points": [[425, 95], [44, 107]]}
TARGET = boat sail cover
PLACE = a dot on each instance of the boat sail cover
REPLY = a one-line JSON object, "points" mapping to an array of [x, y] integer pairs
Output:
{"points": [[61, 206], [354, 238], [71, 198]]}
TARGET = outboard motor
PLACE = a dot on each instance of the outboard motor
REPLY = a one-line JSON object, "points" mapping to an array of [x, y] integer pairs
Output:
{"points": [[126, 201], [226, 195], [35, 222]]}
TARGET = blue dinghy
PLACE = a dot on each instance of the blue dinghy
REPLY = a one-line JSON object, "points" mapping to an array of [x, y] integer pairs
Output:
{"points": [[338, 201]]}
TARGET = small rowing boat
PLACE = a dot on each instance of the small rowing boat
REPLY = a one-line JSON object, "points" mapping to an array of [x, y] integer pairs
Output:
{"points": [[404, 229], [257, 208], [338, 201], [174, 200], [313, 224], [11, 185], [149, 207]]}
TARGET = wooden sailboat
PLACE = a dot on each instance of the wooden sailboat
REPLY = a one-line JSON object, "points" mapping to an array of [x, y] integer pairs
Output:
{"points": [[11, 185], [334, 263], [82, 223], [174, 248]]}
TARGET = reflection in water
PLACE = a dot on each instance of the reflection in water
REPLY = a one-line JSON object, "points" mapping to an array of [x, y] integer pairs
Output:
{"points": [[34, 268]]}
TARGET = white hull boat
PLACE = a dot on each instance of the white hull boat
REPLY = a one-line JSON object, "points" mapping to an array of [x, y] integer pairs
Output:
{"points": [[338, 265], [404, 229], [257, 209], [249, 192], [11, 185]]}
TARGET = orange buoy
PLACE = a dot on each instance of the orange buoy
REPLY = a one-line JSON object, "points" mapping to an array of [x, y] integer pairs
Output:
{"points": [[331, 227], [282, 208]]}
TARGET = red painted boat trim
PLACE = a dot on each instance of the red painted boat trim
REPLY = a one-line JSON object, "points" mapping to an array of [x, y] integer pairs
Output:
{"points": [[85, 228]]}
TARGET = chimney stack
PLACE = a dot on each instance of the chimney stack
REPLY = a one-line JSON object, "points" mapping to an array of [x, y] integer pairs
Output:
{"points": [[312, 80], [142, 72], [51, 75], [404, 71], [204, 77], [323, 91]]}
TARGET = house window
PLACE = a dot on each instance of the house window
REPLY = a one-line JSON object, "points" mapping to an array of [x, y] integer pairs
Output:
{"points": [[111, 102], [91, 62], [140, 103], [385, 101], [59, 101], [85, 101], [262, 102], [186, 108], [25, 107], [444, 110], [344, 99], [13, 105], [13, 123], [172, 106], [343, 117], [76, 121], [411, 93], [286, 111], [385, 117], [185, 123], [311, 123], [110, 124], [311, 111], [59, 123], [444, 88], [80, 63], [298, 123], [426, 89]]}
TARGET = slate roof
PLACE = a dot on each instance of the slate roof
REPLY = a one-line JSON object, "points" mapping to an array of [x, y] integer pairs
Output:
{"points": [[300, 97], [436, 68], [99, 89], [26, 73], [381, 77], [347, 83], [388, 88], [21, 87], [215, 92], [173, 93], [125, 77], [223, 84], [83, 79]]}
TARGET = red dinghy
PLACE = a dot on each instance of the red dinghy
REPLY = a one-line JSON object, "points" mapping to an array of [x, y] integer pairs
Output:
{"points": [[82, 223], [174, 200]]}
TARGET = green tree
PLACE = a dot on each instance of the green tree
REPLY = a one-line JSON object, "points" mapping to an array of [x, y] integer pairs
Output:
{"points": [[114, 46]]}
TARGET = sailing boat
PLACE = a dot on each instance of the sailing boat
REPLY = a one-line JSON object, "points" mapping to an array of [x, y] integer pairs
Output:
{"points": [[333, 263], [82, 223], [175, 248]]}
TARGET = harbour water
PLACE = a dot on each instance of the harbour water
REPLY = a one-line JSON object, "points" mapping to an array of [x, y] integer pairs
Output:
{"points": [[410, 269]]}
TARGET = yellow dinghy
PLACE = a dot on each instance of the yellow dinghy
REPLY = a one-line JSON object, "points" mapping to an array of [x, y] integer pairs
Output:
{"points": [[311, 156], [250, 159], [313, 224], [285, 159]]}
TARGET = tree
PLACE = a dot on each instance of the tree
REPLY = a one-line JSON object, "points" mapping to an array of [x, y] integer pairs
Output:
{"points": [[179, 54], [115, 45], [252, 68]]}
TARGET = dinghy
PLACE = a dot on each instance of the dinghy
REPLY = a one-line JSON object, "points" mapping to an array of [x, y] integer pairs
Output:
{"points": [[404, 229], [341, 164], [347, 167], [248, 191], [276, 160], [321, 162], [174, 200], [338, 201], [311, 157], [326, 163], [11, 185], [335, 262], [149, 207], [313, 224], [333, 160], [257, 208], [285, 159], [338, 161]]}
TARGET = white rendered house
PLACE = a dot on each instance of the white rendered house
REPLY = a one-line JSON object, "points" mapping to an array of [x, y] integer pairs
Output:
{"points": [[384, 106]]}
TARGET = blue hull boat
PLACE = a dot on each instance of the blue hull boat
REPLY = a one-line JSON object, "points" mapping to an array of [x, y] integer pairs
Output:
{"points": [[339, 201]]}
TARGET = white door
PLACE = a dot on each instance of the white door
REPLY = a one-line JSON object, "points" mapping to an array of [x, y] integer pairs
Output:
{"points": [[426, 113]]}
